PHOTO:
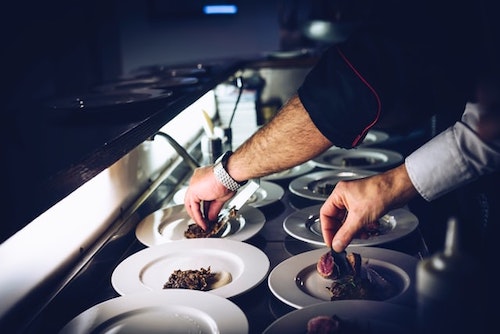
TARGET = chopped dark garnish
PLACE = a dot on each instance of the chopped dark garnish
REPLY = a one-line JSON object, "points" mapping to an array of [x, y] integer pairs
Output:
{"points": [[190, 279]]}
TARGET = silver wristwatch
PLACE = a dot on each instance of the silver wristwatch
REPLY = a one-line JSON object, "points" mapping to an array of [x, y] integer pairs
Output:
{"points": [[223, 176]]}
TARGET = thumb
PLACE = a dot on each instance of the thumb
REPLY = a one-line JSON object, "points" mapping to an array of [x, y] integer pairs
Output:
{"points": [[344, 235]]}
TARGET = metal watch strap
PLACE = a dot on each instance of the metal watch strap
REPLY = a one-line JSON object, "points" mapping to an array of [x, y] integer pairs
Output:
{"points": [[222, 175]]}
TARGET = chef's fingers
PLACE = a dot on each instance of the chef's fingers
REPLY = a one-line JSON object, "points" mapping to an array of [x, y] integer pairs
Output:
{"points": [[194, 210], [214, 209], [330, 217], [204, 206], [346, 232]]}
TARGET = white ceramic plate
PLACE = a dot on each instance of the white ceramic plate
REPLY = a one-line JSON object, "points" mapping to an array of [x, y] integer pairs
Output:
{"points": [[374, 137], [296, 282], [267, 194], [379, 317], [150, 268], [291, 172], [394, 225], [168, 311], [316, 186], [168, 224], [358, 158], [288, 54]]}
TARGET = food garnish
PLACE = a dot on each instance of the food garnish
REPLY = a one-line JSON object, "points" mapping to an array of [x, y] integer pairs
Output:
{"points": [[200, 279]]}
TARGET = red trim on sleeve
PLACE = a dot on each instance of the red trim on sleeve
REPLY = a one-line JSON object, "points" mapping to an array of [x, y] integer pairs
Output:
{"points": [[366, 129]]}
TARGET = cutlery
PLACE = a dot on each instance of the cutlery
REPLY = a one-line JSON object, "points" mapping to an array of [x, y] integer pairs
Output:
{"points": [[229, 212]]}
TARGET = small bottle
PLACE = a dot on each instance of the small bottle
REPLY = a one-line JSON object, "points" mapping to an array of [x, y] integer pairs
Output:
{"points": [[211, 148], [448, 296], [226, 134]]}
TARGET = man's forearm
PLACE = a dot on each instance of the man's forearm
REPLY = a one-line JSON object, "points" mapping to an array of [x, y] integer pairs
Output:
{"points": [[289, 139]]}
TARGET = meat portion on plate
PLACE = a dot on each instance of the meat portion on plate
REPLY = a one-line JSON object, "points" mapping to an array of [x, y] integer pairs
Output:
{"points": [[326, 324], [353, 279]]}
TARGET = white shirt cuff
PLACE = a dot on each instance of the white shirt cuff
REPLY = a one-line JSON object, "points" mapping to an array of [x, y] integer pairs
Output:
{"points": [[452, 159]]}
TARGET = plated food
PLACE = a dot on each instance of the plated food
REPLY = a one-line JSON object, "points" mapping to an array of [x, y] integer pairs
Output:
{"points": [[150, 268], [358, 158], [359, 316], [352, 278], [171, 223], [305, 225], [203, 279], [296, 282], [319, 185], [218, 228], [331, 324], [165, 311]]}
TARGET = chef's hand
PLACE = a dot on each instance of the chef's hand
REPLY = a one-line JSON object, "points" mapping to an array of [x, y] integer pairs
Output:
{"points": [[204, 190], [358, 203]]}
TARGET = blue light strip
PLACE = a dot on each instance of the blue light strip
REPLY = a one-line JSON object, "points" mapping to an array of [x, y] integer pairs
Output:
{"points": [[220, 9]]}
